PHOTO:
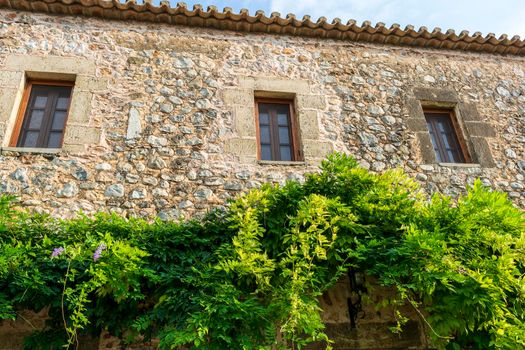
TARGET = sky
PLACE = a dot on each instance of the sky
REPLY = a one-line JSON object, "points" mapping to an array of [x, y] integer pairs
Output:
{"points": [[486, 16]]}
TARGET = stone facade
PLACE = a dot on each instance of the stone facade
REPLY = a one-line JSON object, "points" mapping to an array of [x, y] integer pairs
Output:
{"points": [[163, 118]]}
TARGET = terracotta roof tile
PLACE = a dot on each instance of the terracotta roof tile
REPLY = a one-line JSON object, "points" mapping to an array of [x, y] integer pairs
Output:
{"points": [[274, 24]]}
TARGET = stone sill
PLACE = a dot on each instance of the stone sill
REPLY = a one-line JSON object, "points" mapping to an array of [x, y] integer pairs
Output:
{"points": [[280, 162], [460, 165], [30, 150]]}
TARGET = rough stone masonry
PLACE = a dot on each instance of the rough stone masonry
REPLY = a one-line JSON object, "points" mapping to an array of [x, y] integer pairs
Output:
{"points": [[162, 117]]}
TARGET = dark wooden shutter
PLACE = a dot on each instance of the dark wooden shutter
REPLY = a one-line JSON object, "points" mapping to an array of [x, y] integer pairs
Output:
{"points": [[276, 134], [444, 137], [45, 117]]}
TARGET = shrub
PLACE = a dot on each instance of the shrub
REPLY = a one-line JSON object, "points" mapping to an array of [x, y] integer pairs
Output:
{"points": [[250, 277]]}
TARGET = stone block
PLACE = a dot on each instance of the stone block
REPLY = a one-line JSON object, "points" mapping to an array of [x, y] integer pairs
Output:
{"points": [[81, 135], [482, 153], [80, 106], [416, 124], [308, 124], [91, 83], [415, 110], [244, 148], [238, 97], [310, 101], [435, 94], [11, 79], [244, 118], [134, 124], [74, 149], [428, 154], [469, 112], [481, 129], [316, 149], [9, 98]]}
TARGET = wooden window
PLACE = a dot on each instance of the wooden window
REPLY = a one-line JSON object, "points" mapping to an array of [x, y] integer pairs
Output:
{"points": [[443, 129], [276, 131], [43, 114]]}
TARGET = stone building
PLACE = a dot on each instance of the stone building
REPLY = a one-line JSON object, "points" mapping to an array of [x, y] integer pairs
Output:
{"points": [[159, 111]]}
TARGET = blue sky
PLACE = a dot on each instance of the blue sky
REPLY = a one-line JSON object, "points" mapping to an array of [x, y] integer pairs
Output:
{"points": [[486, 16]]}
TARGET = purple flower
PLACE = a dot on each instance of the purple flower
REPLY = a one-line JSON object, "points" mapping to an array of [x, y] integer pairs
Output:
{"points": [[57, 251], [98, 252]]}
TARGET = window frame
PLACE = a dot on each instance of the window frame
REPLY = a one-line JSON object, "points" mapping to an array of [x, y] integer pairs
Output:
{"points": [[456, 129], [24, 104], [293, 131]]}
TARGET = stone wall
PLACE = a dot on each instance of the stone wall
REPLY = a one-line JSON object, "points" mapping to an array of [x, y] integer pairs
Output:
{"points": [[166, 126]]}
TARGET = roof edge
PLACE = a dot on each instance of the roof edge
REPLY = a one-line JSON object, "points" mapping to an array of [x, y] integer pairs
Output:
{"points": [[274, 24]]}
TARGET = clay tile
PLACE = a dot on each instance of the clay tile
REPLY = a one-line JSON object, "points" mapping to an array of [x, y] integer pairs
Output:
{"points": [[146, 10]]}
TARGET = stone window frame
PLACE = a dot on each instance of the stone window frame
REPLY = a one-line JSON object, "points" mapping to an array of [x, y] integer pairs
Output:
{"points": [[307, 105], [14, 76], [471, 128]]}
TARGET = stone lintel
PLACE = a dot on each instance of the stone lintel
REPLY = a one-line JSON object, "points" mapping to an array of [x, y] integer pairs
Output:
{"points": [[50, 64], [273, 84], [436, 94]]}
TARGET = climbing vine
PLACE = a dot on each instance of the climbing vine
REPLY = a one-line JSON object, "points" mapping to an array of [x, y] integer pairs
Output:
{"points": [[250, 277]]}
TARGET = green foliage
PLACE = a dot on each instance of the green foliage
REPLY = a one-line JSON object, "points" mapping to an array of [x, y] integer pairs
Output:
{"points": [[250, 277]]}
